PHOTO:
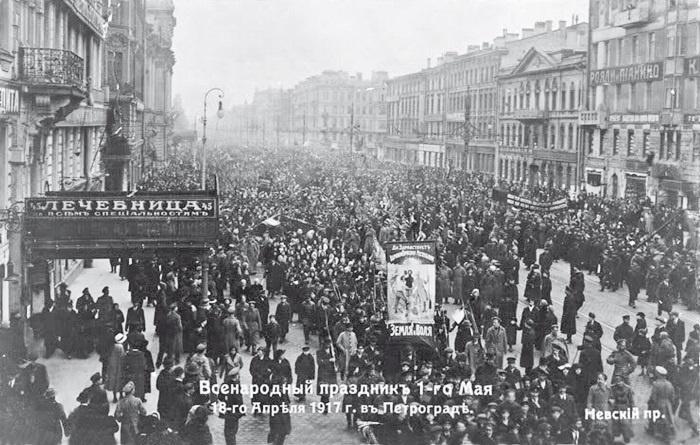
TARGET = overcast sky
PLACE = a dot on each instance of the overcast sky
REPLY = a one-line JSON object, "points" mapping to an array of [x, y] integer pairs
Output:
{"points": [[241, 45]]}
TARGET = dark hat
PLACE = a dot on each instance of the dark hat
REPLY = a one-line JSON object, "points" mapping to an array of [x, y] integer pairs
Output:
{"points": [[675, 313], [626, 317], [96, 377], [305, 348], [279, 353], [168, 361], [591, 315], [105, 289], [641, 314], [511, 359]]}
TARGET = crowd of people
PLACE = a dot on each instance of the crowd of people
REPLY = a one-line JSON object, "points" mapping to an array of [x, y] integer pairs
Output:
{"points": [[322, 267]]}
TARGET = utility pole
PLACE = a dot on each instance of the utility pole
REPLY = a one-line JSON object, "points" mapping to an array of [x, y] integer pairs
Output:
{"points": [[352, 124], [467, 129], [303, 129]]}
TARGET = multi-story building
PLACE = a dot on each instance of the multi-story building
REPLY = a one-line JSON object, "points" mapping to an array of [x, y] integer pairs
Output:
{"points": [[124, 75], [52, 105], [333, 108], [642, 132], [447, 115], [160, 61], [540, 99]]}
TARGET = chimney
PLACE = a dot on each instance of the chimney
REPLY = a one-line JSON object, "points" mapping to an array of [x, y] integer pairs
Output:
{"points": [[472, 48], [528, 32], [485, 45], [540, 27], [562, 24], [358, 76], [548, 26], [428, 64]]}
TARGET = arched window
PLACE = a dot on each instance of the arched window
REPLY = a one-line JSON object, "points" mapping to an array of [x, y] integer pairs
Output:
{"points": [[614, 185], [537, 95], [546, 94], [554, 94]]}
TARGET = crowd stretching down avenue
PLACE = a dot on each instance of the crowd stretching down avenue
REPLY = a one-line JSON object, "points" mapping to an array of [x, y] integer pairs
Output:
{"points": [[324, 269]]}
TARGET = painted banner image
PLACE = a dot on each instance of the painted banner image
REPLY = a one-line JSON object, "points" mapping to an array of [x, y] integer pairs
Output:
{"points": [[411, 288]]}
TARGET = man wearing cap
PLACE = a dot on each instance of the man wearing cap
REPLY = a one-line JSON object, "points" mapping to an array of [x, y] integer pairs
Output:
{"points": [[662, 398], [624, 331], [233, 401], [496, 341], [622, 360], [128, 412], [165, 384], [96, 394], [253, 324], [594, 330], [33, 379], [676, 330], [623, 399], [305, 369], [283, 314], [347, 345], [307, 315], [233, 332], [202, 361]]}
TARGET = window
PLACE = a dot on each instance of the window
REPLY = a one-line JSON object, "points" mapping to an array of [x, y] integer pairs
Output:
{"points": [[646, 148], [635, 50], [678, 145], [696, 146], [652, 46], [616, 141], [630, 142], [632, 105], [647, 96], [601, 142], [614, 186], [662, 143]]}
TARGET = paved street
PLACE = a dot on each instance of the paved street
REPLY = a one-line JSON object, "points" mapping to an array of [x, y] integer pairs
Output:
{"points": [[70, 376]]}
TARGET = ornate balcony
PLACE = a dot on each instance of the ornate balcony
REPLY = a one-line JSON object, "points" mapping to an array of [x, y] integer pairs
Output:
{"points": [[633, 16], [592, 118], [55, 80], [47, 66]]}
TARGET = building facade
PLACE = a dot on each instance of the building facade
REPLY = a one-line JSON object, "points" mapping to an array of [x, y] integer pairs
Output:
{"points": [[642, 133], [447, 116], [540, 100], [70, 79]]}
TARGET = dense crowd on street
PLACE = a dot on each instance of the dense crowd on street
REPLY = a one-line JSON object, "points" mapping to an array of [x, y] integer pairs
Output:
{"points": [[321, 261]]}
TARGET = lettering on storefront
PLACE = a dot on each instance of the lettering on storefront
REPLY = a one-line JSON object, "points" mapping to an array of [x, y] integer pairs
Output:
{"points": [[691, 119], [644, 72], [634, 118], [9, 100], [691, 66]]}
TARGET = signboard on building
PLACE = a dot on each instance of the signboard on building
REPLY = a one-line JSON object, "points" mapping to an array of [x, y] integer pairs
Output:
{"points": [[410, 292], [100, 225], [691, 66], [9, 100], [634, 118], [644, 72], [691, 119]]}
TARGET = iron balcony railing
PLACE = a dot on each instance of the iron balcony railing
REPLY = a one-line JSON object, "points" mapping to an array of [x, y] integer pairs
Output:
{"points": [[48, 66]]}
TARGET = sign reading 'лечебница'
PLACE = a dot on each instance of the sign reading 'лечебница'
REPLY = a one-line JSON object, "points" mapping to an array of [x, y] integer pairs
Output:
{"points": [[126, 207], [102, 224]]}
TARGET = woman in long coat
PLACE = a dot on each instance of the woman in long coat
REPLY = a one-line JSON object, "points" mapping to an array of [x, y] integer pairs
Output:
{"points": [[51, 422], [280, 420], [568, 316], [507, 312], [232, 330], [527, 355], [114, 377], [444, 284], [134, 371]]}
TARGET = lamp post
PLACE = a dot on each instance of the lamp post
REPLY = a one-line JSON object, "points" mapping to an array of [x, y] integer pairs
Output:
{"points": [[219, 114]]}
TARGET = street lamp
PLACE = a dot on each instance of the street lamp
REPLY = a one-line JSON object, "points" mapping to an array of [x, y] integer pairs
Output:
{"points": [[219, 114]]}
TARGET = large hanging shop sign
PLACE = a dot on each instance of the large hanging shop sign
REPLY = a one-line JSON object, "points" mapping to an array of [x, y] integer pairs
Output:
{"points": [[411, 291], [644, 72], [98, 225]]}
